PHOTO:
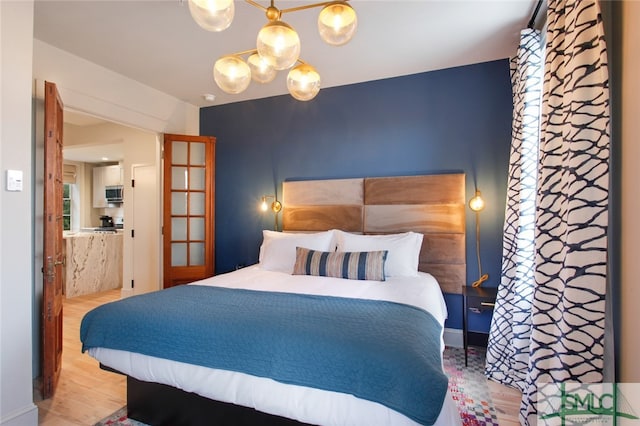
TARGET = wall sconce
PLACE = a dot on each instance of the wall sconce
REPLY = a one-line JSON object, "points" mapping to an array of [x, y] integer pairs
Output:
{"points": [[276, 206], [477, 205]]}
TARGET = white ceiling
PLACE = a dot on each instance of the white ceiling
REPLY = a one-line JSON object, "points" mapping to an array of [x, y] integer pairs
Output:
{"points": [[156, 42], [90, 153], [104, 153]]}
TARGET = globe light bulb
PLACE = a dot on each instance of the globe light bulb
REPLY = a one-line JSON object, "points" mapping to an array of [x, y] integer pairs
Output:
{"points": [[303, 82], [231, 74], [337, 23], [279, 44], [261, 70], [212, 15], [476, 203]]}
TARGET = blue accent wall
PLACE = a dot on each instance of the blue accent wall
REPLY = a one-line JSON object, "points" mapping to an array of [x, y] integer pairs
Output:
{"points": [[451, 120]]}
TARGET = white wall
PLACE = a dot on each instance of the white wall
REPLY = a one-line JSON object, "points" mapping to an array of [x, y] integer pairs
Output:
{"points": [[629, 367], [24, 66], [16, 231], [95, 90]]}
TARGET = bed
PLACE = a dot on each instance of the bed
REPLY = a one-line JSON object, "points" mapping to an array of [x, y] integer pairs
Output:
{"points": [[333, 326]]}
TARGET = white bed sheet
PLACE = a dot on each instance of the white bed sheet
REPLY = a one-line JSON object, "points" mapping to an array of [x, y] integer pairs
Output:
{"points": [[292, 401]]}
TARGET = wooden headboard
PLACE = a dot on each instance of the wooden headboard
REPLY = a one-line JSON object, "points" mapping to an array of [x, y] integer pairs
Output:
{"points": [[433, 205]]}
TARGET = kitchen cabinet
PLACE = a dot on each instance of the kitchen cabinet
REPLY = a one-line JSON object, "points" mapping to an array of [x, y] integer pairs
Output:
{"points": [[105, 176], [112, 175], [99, 199], [93, 263]]}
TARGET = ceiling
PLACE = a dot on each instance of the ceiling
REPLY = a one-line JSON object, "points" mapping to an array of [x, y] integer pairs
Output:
{"points": [[104, 153], [156, 42], [90, 152]]}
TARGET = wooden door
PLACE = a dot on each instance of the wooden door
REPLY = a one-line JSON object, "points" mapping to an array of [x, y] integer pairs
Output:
{"points": [[188, 208], [53, 259]]}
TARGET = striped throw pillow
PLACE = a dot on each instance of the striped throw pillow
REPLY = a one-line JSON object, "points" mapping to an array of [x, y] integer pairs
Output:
{"points": [[365, 265]]}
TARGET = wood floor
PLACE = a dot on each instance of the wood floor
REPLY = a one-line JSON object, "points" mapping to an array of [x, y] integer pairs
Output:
{"points": [[506, 402], [87, 394]]}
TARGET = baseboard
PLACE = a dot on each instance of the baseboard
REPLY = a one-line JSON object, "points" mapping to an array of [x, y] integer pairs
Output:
{"points": [[27, 416], [126, 292], [453, 337]]}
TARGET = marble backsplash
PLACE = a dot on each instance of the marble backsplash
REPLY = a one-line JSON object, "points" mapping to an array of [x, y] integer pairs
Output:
{"points": [[93, 263]]}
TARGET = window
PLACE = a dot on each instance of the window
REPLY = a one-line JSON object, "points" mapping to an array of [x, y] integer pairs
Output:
{"points": [[66, 206], [71, 196]]}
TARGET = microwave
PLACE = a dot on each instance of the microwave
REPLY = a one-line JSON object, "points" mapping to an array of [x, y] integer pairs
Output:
{"points": [[113, 193]]}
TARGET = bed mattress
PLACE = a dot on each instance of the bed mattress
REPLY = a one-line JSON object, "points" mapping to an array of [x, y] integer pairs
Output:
{"points": [[288, 400]]}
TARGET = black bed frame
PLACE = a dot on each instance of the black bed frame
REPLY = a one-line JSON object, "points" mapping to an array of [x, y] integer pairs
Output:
{"points": [[157, 404]]}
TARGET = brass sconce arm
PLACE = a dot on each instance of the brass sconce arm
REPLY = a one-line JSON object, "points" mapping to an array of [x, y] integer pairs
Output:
{"points": [[477, 204], [276, 206]]}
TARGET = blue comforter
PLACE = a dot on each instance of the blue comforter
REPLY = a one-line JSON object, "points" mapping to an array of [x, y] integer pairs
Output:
{"points": [[380, 351]]}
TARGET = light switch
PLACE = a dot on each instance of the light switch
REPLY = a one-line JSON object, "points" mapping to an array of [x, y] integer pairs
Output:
{"points": [[14, 180]]}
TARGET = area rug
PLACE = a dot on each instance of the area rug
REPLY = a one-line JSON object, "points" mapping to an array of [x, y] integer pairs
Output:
{"points": [[119, 418], [467, 385]]}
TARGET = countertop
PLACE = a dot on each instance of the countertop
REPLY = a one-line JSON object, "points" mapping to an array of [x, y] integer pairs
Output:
{"points": [[88, 233]]}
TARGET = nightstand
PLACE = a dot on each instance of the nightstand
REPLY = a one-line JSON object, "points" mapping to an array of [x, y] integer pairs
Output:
{"points": [[475, 300]]}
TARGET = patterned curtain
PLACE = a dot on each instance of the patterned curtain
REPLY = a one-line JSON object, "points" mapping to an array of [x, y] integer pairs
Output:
{"points": [[567, 315], [508, 347]]}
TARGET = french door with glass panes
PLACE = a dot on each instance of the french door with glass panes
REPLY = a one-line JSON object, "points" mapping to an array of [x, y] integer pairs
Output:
{"points": [[189, 201]]}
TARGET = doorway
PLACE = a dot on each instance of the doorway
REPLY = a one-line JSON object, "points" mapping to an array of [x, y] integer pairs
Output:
{"points": [[96, 142], [100, 136]]}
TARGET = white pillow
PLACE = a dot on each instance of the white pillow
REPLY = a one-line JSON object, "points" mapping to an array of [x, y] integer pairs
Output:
{"points": [[404, 250], [278, 249]]}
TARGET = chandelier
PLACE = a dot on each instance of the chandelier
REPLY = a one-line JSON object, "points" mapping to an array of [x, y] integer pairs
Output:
{"points": [[277, 45]]}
